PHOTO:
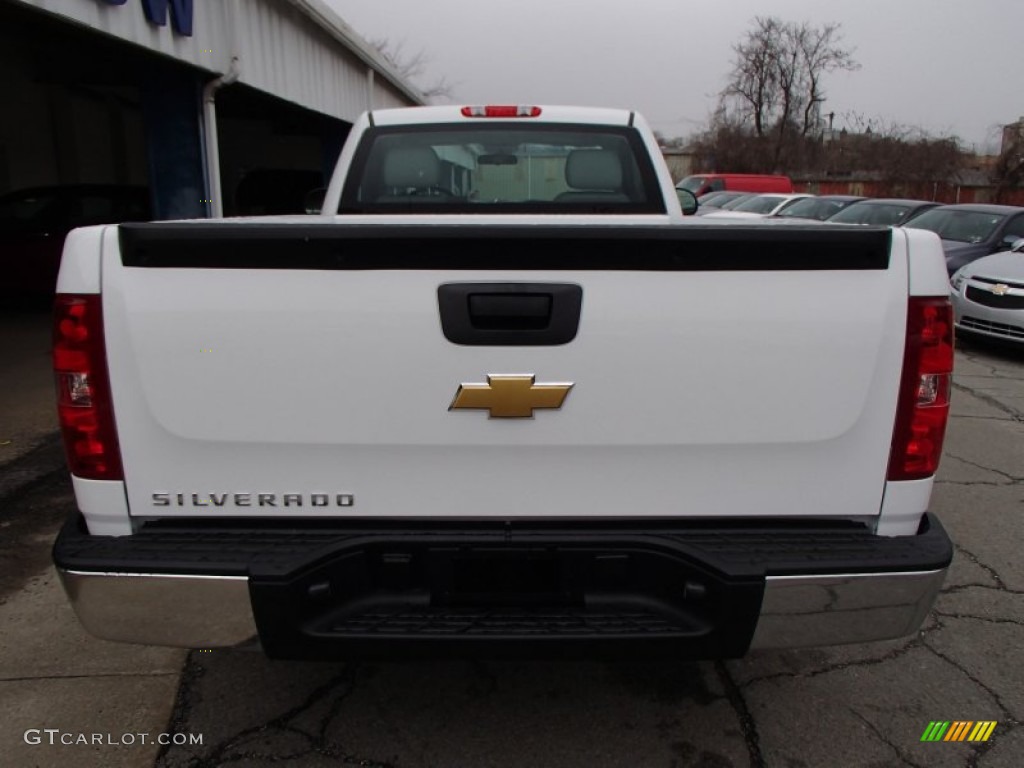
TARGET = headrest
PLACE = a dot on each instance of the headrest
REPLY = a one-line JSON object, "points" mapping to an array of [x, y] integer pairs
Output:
{"points": [[593, 169], [412, 167]]}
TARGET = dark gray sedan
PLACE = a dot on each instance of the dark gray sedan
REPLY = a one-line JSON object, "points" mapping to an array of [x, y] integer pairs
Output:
{"points": [[969, 232], [988, 296], [883, 211], [718, 199], [817, 208], [722, 201]]}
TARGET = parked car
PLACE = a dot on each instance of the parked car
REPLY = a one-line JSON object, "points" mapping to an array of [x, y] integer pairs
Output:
{"points": [[759, 206], [717, 201], [740, 197], [886, 212], [35, 221], [969, 232], [705, 183], [817, 208], [988, 296]]}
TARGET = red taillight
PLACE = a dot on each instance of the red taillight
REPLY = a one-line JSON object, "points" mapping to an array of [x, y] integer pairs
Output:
{"points": [[84, 406], [501, 111], [923, 407]]}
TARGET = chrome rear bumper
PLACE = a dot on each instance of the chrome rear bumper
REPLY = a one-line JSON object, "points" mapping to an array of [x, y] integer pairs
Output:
{"points": [[216, 612], [803, 611], [162, 609], [398, 589]]}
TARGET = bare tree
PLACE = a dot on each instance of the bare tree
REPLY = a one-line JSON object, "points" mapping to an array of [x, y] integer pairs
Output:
{"points": [[729, 144], [898, 152], [887, 150], [752, 82], [821, 54], [413, 67], [789, 77], [768, 117], [776, 82]]}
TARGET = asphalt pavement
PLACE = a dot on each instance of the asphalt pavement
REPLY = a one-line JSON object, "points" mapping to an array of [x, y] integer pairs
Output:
{"points": [[865, 705], [53, 675]]}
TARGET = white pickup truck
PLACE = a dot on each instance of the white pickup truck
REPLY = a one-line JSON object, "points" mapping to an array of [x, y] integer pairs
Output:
{"points": [[501, 398]]}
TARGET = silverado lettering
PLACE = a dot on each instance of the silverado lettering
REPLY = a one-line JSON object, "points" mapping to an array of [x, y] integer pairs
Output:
{"points": [[166, 499]]}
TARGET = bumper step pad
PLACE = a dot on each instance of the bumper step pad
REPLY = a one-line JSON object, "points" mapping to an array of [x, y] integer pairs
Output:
{"points": [[507, 623]]}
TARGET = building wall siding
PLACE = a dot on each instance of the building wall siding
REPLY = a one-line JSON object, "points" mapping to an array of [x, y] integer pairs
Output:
{"points": [[282, 50]]}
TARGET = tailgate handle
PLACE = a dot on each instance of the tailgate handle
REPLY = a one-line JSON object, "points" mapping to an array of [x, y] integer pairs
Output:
{"points": [[507, 314], [510, 311]]}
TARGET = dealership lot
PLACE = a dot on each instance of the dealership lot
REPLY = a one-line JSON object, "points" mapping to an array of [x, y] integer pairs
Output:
{"points": [[858, 706]]}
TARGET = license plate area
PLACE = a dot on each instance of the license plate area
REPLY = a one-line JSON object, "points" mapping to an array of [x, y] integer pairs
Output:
{"points": [[483, 599], [504, 577]]}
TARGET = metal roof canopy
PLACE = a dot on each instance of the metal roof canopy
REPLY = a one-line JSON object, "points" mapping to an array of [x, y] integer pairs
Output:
{"points": [[297, 50]]}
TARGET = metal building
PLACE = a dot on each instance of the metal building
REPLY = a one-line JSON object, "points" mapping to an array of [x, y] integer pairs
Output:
{"points": [[233, 106]]}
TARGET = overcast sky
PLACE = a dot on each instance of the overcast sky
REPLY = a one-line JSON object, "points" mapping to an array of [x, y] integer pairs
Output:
{"points": [[948, 66]]}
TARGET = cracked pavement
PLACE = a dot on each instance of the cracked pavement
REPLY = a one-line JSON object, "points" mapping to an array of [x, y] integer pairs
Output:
{"points": [[860, 705]]}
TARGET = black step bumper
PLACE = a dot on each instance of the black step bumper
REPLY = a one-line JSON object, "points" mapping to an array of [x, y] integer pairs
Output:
{"points": [[312, 589]]}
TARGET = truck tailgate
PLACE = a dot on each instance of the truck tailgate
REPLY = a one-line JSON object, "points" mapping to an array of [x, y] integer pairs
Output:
{"points": [[263, 370]]}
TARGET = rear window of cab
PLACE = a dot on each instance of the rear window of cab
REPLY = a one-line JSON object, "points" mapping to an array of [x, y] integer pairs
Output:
{"points": [[501, 167]]}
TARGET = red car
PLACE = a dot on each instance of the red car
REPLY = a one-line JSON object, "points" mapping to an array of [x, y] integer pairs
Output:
{"points": [[35, 221], [704, 183]]}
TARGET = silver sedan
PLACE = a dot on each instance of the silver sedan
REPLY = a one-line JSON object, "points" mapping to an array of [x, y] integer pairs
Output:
{"points": [[988, 296]]}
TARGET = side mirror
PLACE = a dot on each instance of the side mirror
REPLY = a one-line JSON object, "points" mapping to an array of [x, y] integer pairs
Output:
{"points": [[1018, 245], [687, 201], [314, 200]]}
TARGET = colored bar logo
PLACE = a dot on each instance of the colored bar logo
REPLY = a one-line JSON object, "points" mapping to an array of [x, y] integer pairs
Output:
{"points": [[959, 730]]}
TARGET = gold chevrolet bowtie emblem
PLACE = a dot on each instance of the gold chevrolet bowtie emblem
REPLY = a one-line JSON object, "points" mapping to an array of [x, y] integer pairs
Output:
{"points": [[1000, 289], [510, 397]]}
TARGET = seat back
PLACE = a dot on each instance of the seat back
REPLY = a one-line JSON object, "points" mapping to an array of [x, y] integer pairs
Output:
{"points": [[409, 174], [595, 175]]}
